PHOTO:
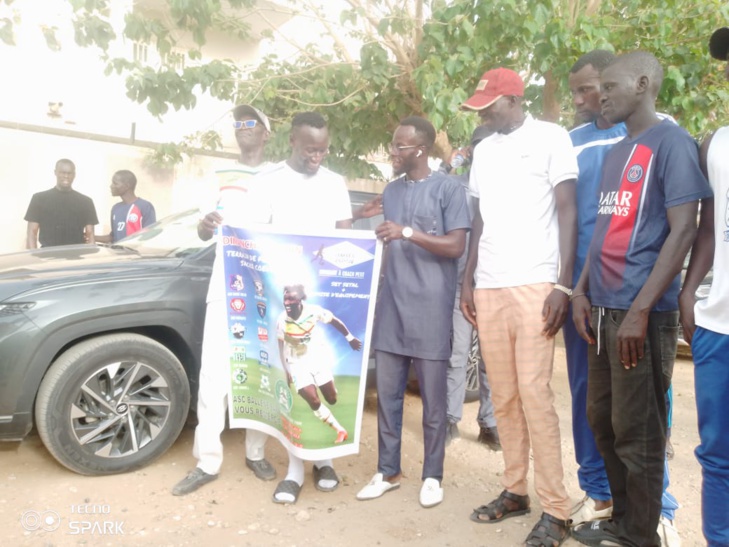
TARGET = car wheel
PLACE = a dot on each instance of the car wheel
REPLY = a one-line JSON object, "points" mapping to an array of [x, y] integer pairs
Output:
{"points": [[474, 355], [112, 404]]}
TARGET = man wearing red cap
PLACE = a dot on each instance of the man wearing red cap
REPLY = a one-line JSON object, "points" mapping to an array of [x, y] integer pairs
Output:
{"points": [[522, 252], [706, 326]]}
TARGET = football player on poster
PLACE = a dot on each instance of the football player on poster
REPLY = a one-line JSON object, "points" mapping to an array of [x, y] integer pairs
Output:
{"points": [[300, 347]]}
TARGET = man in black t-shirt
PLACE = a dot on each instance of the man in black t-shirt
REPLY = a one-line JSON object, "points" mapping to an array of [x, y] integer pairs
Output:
{"points": [[61, 215]]}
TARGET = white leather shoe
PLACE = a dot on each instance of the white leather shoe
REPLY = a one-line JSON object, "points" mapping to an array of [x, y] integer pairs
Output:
{"points": [[584, 511], [376, 488], [431, 493], [668, 533]]}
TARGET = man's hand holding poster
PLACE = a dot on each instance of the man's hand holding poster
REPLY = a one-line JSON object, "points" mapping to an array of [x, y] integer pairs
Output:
{"points": [[300, 308]]}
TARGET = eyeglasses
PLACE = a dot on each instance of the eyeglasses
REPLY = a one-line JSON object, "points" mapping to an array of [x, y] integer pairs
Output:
{"points": [[397, 149], [248, 124]]}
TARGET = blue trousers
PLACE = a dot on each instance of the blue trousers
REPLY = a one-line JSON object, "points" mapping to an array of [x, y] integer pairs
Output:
{"points": [[711, 377], [485, 418], [392, 377], [591, 468], [462, 339]]}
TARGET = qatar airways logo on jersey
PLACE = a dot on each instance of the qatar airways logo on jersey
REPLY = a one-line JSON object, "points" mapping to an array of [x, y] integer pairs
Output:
{"points": [[615, 203]]}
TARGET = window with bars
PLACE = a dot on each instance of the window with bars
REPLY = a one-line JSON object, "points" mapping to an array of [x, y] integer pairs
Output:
{"points": [[140, 52]]}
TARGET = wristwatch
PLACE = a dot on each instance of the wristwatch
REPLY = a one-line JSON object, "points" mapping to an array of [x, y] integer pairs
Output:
{"points": [[407, 232]]}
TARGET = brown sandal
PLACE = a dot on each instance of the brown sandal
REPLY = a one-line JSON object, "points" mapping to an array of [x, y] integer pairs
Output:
{"points": [[497, 510], [549, 531]]}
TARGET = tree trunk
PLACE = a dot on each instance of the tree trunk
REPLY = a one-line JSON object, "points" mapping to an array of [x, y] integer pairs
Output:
{"points": [[550, 106]]}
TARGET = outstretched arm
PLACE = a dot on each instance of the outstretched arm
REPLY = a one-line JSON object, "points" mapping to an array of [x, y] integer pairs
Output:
{"points": [[354, 343], [368, 210]]}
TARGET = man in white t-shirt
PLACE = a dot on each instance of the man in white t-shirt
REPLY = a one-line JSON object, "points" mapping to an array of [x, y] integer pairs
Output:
{"points": [[708, 330], [300, 195], [522, 251]]}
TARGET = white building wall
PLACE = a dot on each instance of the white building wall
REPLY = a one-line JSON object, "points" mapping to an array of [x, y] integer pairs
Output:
{"points": [[30, 169]]}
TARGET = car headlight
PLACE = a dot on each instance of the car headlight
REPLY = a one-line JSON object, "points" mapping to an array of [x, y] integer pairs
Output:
{"points": [[15, 307]]}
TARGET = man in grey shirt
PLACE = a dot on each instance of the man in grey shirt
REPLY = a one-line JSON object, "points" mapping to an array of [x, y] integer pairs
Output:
{"points": [[426, 220]]}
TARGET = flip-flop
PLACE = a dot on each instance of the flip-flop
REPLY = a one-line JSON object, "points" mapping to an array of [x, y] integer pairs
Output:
{"points": [[325, 473], [287, 487]]}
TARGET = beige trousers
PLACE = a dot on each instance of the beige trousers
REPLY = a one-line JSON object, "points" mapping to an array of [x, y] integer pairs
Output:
{"points": [[519, 360]]}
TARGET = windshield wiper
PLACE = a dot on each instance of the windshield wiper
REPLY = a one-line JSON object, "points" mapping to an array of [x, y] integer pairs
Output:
{"points": [[118, 247]]}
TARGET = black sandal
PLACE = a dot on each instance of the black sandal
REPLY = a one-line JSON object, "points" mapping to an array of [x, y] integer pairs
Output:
{"points": [[287, 487], [549, 531], [325, 473], [497, 510]]}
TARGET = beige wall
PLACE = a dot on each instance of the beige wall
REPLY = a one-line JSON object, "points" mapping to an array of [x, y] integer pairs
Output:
{"points": [[30, 154], [27, 167]]}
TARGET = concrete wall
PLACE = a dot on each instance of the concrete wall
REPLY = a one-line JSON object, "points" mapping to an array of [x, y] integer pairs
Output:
{"points": [[29, 158], [30, 154]]}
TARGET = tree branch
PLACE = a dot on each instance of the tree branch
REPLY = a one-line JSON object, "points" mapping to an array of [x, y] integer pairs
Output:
{"points": [[339, 45]]}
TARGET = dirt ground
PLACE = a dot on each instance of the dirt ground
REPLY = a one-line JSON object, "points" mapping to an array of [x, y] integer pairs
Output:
{"points": [[138, 509]]}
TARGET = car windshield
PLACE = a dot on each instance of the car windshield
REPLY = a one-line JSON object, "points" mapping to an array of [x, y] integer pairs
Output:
{"points": [[174, 235]]}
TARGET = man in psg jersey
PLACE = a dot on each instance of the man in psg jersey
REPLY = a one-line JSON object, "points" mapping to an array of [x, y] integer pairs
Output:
{"points": [[625, 304]]}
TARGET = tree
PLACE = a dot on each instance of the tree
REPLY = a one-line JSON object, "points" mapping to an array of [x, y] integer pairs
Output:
{"points": [[417, 57]]}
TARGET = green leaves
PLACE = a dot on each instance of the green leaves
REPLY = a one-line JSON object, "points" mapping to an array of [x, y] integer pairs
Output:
{"points": [[93, 30], [404, 67], [49, 33], [7, 34], [165, 87]]}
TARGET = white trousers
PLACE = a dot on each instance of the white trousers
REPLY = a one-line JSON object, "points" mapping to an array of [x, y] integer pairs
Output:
{"points": [[212, 399]]}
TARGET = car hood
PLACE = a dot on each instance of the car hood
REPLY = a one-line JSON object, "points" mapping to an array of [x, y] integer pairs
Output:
{"points": [[41, 268]]}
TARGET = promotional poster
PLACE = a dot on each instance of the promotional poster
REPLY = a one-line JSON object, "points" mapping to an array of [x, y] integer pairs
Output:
{"points": [[300, 310]]}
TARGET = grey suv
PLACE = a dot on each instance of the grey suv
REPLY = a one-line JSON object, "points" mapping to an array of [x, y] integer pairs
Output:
{"points": [[100, 346]]}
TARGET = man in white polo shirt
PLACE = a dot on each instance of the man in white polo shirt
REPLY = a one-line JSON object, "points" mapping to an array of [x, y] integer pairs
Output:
{"points": [[522, 251]]}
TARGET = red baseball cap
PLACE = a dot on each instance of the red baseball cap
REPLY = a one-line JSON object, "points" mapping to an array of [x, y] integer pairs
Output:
{"points": [[493, 85]]}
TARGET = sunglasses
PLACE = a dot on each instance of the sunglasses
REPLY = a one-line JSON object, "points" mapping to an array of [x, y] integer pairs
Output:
{"points": [[397, 150], [248, 124]]}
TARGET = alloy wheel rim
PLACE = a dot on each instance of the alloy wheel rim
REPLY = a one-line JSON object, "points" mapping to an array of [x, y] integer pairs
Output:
{"points": [[120, 408]]}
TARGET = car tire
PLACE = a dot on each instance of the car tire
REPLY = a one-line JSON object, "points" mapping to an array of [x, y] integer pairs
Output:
{"points": [[112, 404], [474, 356]]}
